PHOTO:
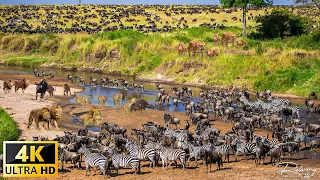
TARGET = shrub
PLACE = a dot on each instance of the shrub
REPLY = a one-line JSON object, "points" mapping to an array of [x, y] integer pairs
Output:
{"points": [[8, 129], [280, 23]]}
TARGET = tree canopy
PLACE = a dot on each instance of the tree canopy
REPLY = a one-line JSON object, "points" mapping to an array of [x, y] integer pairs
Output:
{"points": [[243, 4], [281, 23], [316, 2]]}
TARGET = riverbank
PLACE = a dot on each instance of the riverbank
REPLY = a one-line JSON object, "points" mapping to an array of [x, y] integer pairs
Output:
{"points": [[285, 66], [19, 105]]}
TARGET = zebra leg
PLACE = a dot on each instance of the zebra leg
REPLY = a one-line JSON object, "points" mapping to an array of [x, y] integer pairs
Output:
{"points": [[117, 170], [236, 155], [227, 156], [61, 164], [162, 164], [196, 159], [152, 162], [183, 163], [188, 161], [87, 170]]}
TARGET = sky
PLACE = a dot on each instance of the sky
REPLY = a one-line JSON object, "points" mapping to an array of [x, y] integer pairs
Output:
{"points": [[276, 2]]}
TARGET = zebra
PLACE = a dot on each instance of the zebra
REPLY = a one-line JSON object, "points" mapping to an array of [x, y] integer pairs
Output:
{"points": [[94, 160], [224, 150], [180, 136], [278, 101], [168, 154], [122, 161], [272, 143], [142, 154], [245, 148], [195, 152]]}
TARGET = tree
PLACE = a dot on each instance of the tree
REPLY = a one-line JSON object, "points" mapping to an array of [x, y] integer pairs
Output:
{"points": [[80, 2], [281, 23], [243, 4], [304, 2]]}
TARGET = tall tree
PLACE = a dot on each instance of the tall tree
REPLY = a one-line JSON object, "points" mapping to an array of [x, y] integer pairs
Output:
{"points": [[80, 2], [243, 5], [304, 2]]}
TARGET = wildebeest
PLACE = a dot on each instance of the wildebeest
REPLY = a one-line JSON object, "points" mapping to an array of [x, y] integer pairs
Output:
{"points": [[169, 119], [50, 90], [313, 96], [309, 105], [114, 129], [41, 88], [66, 90], [212, 157], [314, 144], [141, 105]]}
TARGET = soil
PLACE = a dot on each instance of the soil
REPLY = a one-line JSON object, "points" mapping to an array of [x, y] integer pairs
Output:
{"points": [[22, 104], [18, 105]]}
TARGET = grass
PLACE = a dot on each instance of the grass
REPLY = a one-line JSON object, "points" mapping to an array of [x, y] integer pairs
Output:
{"points": [[8, 129], [287, 65]]}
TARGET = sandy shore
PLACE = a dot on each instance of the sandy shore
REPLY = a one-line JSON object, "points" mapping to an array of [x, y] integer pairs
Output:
{"points": [[18, 105]]}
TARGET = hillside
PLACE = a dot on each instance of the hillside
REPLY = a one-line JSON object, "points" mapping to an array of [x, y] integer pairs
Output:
{"points": [[283, 65]]}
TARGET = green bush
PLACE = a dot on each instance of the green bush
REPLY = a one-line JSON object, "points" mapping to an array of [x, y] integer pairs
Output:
{"points": [[8, 129], [280, 23], [282, 80]]}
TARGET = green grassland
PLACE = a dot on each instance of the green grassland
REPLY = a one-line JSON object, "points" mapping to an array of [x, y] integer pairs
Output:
{"points": [[205, 17], [288, 65], [8, 129]]}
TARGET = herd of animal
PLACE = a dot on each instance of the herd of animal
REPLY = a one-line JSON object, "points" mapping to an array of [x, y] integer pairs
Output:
{"points": [[145, 18], [42, 87], [112, 147], [199, 46]]}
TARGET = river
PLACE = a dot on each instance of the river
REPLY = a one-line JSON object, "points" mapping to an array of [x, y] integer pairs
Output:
{"points": [[149, 94]]}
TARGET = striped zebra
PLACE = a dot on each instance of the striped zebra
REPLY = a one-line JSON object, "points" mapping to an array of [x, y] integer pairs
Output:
{"points": [[279, 101], [123, 161], [180, 136], [243, 147], [272, 143], [168, 154], [94, 160], [208, 147], [194, 152], [224, 150], [142, 154]]}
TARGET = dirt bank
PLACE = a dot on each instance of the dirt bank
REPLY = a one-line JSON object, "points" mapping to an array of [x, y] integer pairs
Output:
{"points": [[18, 105]]}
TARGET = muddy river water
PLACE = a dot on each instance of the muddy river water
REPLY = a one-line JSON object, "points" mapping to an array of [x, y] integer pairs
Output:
{"points": [[149, 94]]}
